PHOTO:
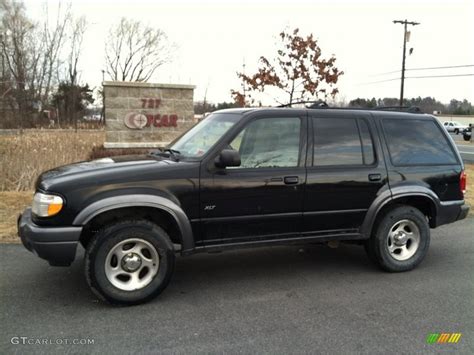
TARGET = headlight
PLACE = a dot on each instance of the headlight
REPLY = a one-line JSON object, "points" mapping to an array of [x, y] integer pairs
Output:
{"points": [[46, 205]]}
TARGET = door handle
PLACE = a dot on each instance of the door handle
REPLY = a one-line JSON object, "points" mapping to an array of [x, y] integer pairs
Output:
{"points": [[375, 177], [291, 180]]}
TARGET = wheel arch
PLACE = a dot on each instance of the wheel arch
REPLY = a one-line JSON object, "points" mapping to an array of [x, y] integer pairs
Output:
{"points": [[154, 208], [419, 197]]}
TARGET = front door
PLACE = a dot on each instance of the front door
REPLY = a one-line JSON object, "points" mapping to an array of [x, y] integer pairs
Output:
{"points": [[263, 197]]}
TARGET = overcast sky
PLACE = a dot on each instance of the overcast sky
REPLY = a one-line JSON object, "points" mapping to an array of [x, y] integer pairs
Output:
{"points": [[214, 38]]}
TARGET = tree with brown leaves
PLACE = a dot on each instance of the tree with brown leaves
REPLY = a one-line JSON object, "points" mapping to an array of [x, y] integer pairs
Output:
{"points": [[298, 71]]}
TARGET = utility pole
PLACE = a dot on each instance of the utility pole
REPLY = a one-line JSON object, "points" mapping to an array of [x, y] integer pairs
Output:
{"points": [[405, 23]]}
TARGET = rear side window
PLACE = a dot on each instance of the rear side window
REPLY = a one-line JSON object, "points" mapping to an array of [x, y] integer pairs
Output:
{"points": [[417, 142], [342, 141]]}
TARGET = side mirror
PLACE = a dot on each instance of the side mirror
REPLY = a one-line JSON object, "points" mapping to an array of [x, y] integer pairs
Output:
{"points": [[228, 157]]}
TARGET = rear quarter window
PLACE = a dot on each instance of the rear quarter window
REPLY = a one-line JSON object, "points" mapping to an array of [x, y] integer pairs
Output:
{"points": [[417, 142]]}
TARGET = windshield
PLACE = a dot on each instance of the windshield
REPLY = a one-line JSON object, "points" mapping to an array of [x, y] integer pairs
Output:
{"points": [[199, 139]]}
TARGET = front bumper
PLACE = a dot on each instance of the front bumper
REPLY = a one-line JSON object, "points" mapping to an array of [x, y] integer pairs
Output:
{"points": [[57, 245]]}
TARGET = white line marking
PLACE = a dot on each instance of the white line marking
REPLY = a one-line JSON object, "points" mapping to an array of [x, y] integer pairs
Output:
{"points": [[466, 152]]}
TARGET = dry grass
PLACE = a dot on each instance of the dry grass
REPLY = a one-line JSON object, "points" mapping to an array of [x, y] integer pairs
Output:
{"points": [[101, 152], [24, 157], [12, 203]]}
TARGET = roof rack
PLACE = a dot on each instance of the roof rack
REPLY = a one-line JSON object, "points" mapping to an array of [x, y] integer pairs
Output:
{"points": [[412, 109], [315, 104], [323, 104]]}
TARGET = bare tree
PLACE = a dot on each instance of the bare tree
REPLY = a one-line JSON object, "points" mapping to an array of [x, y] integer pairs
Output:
{"points": [[71, 93], [134, 51], [53, 37], [31, 54], [18, 52], [76, 36]]}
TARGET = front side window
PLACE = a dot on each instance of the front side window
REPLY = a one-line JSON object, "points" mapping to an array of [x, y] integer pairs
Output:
{"points": [[342, 141], [199, 139], [417, 142], [269, 142]]}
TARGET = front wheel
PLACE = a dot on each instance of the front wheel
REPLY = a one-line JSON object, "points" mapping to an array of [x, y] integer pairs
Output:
{"points": [[401, 239], [129, 262], [456, 131]]}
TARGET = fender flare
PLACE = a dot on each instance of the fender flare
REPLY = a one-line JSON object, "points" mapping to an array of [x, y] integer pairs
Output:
{"points": [[391, 196], [158, 202]]}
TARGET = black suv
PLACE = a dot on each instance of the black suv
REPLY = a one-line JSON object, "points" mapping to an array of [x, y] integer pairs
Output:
{"points": [[248, 178]]}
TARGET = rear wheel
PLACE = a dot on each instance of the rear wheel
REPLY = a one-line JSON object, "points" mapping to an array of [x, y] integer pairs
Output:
{"points": [[466, 137], [456, 131], [401, 239], [129, 262]]}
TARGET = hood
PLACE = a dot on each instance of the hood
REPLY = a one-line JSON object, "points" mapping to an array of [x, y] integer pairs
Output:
{"points": [[96, 166]]}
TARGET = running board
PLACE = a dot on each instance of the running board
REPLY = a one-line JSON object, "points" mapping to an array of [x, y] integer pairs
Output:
{"points": [[279, 241]]}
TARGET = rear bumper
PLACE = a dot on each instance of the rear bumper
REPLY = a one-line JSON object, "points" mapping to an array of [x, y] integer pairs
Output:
{"points": [[450, 212], [57, 245]]}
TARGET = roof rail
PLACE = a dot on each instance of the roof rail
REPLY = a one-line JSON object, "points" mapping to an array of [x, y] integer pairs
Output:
{"points": [[412, 109], [323, 104], [315, 104]]}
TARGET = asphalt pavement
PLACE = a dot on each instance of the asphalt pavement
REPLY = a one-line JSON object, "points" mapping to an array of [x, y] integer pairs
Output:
{"points": [[465, 148], [271, 300]]}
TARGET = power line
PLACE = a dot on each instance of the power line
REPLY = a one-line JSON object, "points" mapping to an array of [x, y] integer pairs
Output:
{"points": [[439, 76], [380, 81], [426, 68], [388, 72], [419, 77], [445, 67]]}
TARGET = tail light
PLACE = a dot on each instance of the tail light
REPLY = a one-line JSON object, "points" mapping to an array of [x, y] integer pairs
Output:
{"points": [[463, 182]]}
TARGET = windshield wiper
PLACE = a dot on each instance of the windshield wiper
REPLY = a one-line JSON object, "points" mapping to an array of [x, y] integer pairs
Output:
{"points": [[167, 152], [173, 152]]}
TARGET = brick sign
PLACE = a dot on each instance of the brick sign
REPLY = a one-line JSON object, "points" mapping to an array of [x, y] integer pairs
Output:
{"points": [[146, 115]]}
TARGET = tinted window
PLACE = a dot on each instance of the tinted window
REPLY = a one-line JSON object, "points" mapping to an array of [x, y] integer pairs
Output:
{"points": [[337, 141], [269, 142], [415, 142]]}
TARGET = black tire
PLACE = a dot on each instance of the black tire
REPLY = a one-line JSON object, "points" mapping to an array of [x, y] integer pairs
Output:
{"points": [[377, 247], [466, 137], [109, 238], [456, 131]]}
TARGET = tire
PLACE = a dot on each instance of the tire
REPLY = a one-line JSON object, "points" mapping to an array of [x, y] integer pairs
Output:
{"points": [[400, 240], [466, 137], [129, 262], [456, 131]]}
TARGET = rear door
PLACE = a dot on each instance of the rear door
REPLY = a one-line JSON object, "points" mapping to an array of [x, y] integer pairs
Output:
{"points": [[346, 170]]}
